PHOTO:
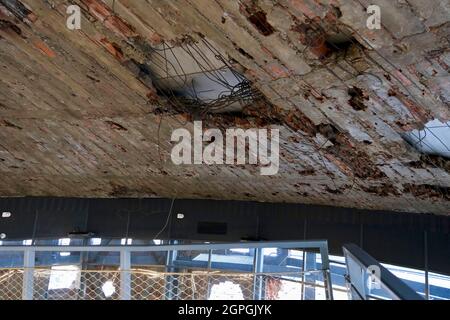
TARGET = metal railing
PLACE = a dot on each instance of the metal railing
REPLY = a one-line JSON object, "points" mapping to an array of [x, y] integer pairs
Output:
{"points": [[126, 282], [60, 284], [368, 279]]}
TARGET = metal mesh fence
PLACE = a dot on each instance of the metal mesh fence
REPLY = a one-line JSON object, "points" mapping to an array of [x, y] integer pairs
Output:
{"points": [[71, 283], [11, 284]]}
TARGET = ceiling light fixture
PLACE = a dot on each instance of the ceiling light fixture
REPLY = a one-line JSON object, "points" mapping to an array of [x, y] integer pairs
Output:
{"points": [[6, 214]]}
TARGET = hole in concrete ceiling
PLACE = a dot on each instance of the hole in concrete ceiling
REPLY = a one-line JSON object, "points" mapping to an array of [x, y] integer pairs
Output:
{"points": [[340, 41], [357, 99], [245, 53], [323, 41], [257, 17], [196, 76], [434, 139], [259, 20]]}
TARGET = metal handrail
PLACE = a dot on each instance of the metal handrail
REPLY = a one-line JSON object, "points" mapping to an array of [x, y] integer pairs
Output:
{"points": [[397, 288]]}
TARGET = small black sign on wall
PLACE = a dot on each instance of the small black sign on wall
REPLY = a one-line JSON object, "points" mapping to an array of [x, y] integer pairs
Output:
{"points": [[208, 227]]}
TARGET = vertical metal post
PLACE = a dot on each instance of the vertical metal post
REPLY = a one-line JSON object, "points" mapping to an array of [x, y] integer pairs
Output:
{"points": [[258, 281], [170, 286], [303, 275], [326, 271], [209, 269], [28, 275], [125, 274], [425, 251], [309, 280], [327, 283], [209, 259], [83, 264]]}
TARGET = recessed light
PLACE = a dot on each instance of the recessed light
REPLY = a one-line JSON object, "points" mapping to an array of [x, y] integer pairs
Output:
{"points": [[2, 235], [6, 214], [180, 216]]}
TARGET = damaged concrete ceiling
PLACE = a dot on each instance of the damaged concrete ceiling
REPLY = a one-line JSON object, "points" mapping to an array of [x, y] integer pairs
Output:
{"points": [[80, 117]]}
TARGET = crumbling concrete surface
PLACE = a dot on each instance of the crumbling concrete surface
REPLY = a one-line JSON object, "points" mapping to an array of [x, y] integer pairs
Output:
{"points": [[80, 115]]}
